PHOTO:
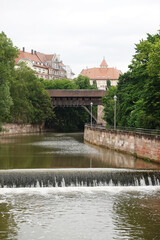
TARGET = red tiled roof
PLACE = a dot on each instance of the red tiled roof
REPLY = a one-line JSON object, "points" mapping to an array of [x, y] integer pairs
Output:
{"points": [[101, 73], [45, 57], [30, 56]]}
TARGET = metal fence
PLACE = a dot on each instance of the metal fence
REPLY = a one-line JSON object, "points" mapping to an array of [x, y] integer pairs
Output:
{"points": [[130, 129]]}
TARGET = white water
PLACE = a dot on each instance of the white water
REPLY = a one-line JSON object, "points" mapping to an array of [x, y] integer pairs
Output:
{"points": [[78, 213]]}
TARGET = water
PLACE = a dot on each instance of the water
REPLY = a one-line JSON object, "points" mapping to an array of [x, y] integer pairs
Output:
{"points": [[80, 213], [53, 150], [77, 213]]}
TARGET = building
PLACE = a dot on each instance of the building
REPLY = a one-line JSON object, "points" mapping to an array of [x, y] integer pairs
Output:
{"points": [[102, 74], [57, 69], [55, 66], [33, 62], [46, 66]]}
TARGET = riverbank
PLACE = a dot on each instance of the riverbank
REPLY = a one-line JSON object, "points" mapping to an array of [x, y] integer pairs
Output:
{"points": [[145, 146], [18, 128]]}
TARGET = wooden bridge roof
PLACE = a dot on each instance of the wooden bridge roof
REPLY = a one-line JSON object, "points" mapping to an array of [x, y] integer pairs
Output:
{"points": [[77, 93]]}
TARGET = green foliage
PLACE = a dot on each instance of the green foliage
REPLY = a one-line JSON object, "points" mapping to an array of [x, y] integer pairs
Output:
{"points": [[153, 66], [108, 102], [7, 55], [82, 82], [31, 103], [58, 84], [108, 83], [138, 90], [5, 100], [95, 84], [7, 52], [69, 119]]}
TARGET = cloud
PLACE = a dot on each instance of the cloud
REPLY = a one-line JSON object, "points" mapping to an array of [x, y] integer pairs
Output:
{"points": [[82, 32]]}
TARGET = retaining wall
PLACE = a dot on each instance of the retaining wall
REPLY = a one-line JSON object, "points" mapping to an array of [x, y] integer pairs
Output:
{"points": [[142, 145], [11, 128]]}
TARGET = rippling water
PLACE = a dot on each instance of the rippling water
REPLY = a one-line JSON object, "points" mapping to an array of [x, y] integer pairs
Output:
{"points": [[80, 213]]}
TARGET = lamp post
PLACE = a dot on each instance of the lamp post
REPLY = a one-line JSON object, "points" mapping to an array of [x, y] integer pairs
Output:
{"points": [[115, 100], [91, 113]]}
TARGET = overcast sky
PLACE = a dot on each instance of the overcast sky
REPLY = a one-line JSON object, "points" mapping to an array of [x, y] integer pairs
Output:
{"points": [[82, 32]]}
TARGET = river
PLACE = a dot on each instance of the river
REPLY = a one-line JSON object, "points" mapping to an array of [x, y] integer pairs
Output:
{"points": [[118, 212]]}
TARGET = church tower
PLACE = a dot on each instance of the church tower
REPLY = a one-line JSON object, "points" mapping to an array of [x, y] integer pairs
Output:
{"points": [[103, 64]]}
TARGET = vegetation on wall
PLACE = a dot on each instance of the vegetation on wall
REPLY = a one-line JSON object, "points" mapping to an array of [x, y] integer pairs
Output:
{"points": [[138, 90]]}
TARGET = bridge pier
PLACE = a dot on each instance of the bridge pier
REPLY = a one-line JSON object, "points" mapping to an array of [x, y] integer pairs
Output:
{"points": [[100, 115]]}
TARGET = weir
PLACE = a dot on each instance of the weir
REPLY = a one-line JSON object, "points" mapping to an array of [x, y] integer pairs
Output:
{"points": [[78, 177]]}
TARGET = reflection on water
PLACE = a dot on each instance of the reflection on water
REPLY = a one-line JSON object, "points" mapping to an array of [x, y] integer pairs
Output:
{"points": [[140, 212], [74, 213], [80, 213], [52, 150]]}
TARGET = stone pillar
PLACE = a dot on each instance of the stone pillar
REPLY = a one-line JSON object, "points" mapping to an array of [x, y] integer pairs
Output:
{"points": [[100, 115]]}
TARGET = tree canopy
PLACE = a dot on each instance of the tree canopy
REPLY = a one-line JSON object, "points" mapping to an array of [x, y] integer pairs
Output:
{"points": [[23, 97], [7, 55], [138, 90]]}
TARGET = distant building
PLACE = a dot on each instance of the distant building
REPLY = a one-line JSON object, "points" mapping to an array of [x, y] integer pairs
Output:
{"points": [[55, 66], [102, 74], [46, 66], [33, 62], [57, 69]]}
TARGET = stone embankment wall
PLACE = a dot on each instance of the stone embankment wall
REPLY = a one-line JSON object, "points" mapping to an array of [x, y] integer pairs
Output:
{"points": [[142, 145], [9, 129]]}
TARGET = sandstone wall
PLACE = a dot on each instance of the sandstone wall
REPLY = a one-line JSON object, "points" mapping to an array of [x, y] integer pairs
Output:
{"points": [[100, 115], [143, 145], [9, 129]]}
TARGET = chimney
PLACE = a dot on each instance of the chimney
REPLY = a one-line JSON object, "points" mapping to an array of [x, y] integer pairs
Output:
{"points": [[32, 51], [35, 52], [23, 49]]}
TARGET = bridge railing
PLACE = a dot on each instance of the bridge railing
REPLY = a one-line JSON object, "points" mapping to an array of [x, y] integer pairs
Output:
{"points": [[130, 129]]}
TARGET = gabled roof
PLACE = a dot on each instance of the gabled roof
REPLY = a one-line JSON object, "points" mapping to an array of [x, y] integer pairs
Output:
{"points": [[31, 57], [45, 57]]}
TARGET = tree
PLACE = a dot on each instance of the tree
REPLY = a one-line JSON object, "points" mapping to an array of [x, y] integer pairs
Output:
{"points": [[7, 56], [108, 84], [82, 82], [138, 90], [31, 102], [108, 102], [58, 84]]}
